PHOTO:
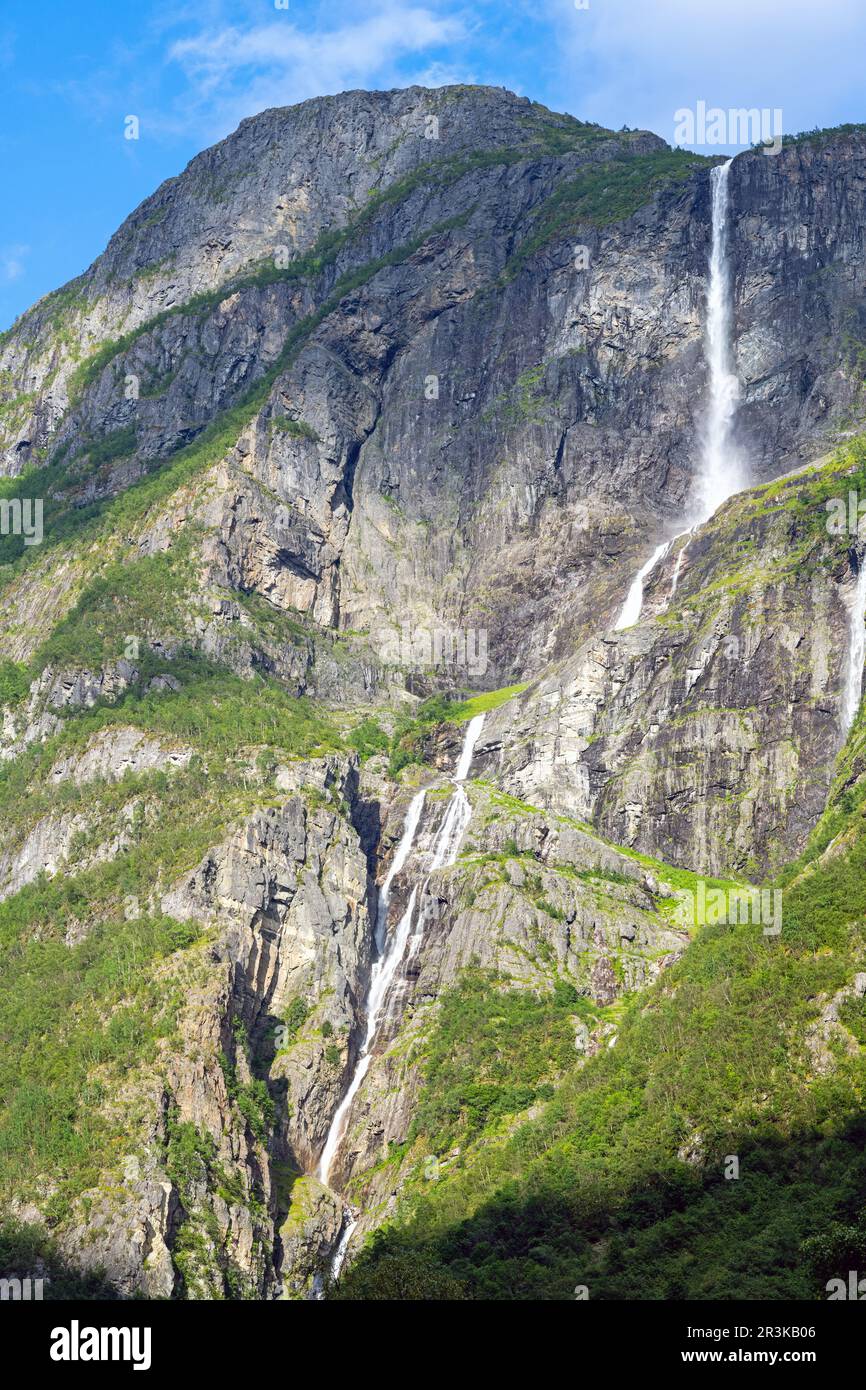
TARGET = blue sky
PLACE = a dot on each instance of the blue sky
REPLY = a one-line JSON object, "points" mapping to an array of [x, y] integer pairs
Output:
{"points": [[70, 73]]}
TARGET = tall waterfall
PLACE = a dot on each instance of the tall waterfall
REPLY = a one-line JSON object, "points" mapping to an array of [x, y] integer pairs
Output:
{"points": [[393, 949], [853, 687], [721, 473]]}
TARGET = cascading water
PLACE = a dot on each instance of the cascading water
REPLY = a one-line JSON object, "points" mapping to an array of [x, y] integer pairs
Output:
{"points": [[721, 473], [446, 844], [853, 688], [392, 951], [679, 564], [407, 839], [381, 976], [631, 609]]}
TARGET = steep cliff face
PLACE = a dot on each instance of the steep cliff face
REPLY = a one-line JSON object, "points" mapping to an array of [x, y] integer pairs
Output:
{"points": [[707, 734], [536, 905], [797, 249], [317, 333], [375, 367]]}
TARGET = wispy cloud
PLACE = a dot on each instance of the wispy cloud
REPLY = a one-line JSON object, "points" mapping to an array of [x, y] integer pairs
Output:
{"points": [[236, 70], [12, 260], [618, 61]]}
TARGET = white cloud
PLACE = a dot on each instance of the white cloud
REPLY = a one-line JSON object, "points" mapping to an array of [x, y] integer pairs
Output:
{"points": [[622, 61], [235, 71], [12, 262]]}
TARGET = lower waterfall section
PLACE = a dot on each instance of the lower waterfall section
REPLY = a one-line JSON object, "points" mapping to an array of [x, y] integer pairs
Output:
{"points": [[393, 950], [853, 688]]}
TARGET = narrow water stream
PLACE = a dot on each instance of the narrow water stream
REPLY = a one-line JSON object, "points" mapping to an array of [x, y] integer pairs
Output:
{"points": [[393, 949], [853, 687]]}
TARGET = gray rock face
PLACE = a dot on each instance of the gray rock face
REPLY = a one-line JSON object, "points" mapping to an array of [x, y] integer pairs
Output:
{"points": [[707, 734], [533, 898], [387, 498], [307, 1236], [798, 272], [44, 850], [116, 752], [290, 890], [283, 902], [129, 1240], [413, 483]]}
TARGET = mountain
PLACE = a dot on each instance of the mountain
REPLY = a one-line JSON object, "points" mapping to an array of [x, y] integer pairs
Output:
{"points": [[349, 821]]}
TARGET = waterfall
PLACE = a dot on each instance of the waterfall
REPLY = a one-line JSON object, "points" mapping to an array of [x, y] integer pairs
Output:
{"points": [[407, 839], [721, 473], [445, 846], [343, 1245], [631, 609], [381, 976], [853, 686], [393, 949], [679, 564]]}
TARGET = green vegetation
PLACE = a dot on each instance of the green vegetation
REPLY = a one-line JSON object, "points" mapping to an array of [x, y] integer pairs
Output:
{"points": [[252, 1099], [481, 704], [127, 598], [493, 1053], [413, 731], [25, 1248], [825, 135], [109, 448], [64, 520], [601, 194], [222, 713], [298, 429], [15, 678], [713, 1062], [74, 1019], [294, 1019], [201, 1254], [368, 738]]}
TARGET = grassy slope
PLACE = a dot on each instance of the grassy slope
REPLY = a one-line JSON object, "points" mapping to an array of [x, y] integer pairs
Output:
{"points": [[75, 1018]]}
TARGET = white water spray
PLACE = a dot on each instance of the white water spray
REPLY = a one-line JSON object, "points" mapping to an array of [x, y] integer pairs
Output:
{"points": [[407, 839], [381, 976], [343, 1245], [679, 564], [721, 473], [631, 609], [853, 687], [392, 951]]}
